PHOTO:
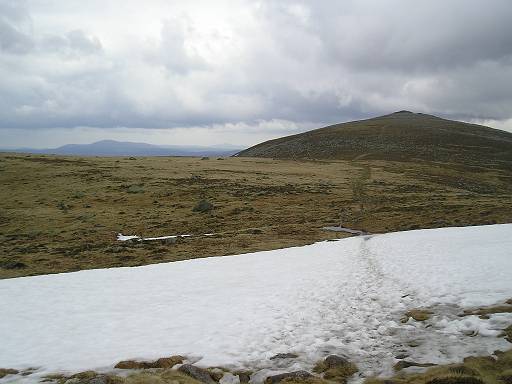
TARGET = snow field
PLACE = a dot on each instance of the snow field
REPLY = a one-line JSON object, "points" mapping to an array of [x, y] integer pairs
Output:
{"points": [[343, 297]]}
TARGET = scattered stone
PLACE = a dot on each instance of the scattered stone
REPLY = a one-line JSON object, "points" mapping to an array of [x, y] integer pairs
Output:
{"points": [[402, 356], [197, 373], [229, 378], [170, 240], [335, 361], [205, 158], [164, 362], [414, 343], [507, 334], [27, 372], [203, 206], [168, 362], [509, 301], [300, 375], [8, 371], [336, 368], [216, 373], [131, 364], [244, 376], [284, 356], [406, 364]]}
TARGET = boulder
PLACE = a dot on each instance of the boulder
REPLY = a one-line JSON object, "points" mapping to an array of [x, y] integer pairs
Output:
{"points": [[406, 364], [334, 361], [164, 362], [300, 375], [167, 362], [337, 368], [132, 364], [244, 376], [197, 373]]}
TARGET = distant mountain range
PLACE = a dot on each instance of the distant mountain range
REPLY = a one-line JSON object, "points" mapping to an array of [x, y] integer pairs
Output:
{"points": [[400, 136], [123, 148]]}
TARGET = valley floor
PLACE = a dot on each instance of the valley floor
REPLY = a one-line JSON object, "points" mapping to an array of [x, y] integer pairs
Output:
{"points": [[344, 297]]}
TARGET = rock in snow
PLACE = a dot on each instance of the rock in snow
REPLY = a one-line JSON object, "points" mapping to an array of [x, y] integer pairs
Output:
{"points": [[197, 373], [301, 375], [344, 297]]}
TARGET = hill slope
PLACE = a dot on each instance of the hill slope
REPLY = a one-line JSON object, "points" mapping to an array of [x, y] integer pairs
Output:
{"points": [[399, 136]]}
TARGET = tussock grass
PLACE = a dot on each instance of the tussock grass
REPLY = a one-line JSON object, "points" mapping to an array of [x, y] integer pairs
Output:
{"points": [[339, 372], [61, 214], [473, 370], [489, 310], [160, 376], [417, 314]]}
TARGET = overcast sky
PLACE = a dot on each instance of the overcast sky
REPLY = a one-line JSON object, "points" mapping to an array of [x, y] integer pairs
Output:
{"points": [[239, 72]]}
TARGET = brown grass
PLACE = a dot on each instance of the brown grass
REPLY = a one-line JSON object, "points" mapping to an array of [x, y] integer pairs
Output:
{"points": [[160, 376], [474, 370], [417, 314], [61, 214]]}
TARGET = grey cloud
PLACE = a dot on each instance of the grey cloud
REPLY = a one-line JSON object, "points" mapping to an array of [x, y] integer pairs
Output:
{"points": [[404, 35], [15, 27], [172, 52], [73, 43], [299, 61]]}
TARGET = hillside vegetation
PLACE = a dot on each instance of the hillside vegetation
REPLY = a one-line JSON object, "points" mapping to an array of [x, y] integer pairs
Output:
{"points": [[401, 136], [60, 214]]}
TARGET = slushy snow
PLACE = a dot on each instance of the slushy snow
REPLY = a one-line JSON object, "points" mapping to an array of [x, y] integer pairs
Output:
{"points": [[344, 297]]}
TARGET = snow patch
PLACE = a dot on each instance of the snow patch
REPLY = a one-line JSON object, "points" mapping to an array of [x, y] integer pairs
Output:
{"points": [[344, 297], [121, 237]]}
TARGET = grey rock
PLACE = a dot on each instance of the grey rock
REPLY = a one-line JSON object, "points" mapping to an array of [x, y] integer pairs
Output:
{"points": [[333, 361], [284, 356], [197, 373], [301, 375], [243, 376], [100, 379], [402, 364]]}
